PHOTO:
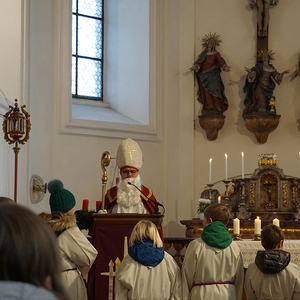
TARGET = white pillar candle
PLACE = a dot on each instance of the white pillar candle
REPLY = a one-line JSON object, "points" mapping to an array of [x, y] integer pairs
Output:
{"points": [[257, 226], [226, 166], [243, 171], [210, 162], [236, 226], [276, 222], [219, 199]]}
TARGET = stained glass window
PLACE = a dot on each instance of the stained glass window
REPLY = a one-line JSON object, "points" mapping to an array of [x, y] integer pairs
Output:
{"points": [[87, 49]]}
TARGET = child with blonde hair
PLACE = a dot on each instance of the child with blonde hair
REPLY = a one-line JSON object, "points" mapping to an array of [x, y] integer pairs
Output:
{"points": [[147, 272]]}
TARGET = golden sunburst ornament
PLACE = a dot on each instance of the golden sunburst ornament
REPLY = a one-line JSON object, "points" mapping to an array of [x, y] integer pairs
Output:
{"points": [[263, 51], [215, 37]]}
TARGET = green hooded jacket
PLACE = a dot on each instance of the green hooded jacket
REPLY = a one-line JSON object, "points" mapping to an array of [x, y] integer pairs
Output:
{"points": [[216, 235]]}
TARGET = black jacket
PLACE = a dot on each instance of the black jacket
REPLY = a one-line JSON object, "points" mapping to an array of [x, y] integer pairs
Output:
{"points": [[272, 261]]}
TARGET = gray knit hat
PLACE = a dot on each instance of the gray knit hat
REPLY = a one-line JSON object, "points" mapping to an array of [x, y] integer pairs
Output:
{"points": [[61, 200]]}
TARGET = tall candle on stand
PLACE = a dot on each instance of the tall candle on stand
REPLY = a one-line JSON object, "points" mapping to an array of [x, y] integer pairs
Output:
{"points": [[243, 171], [210, 161], [226, 166], [257, 226], [276, 222], [236, 226]]}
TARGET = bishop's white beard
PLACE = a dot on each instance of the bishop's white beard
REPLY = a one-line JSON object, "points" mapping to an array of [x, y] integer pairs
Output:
{"points": [[128, 195]]}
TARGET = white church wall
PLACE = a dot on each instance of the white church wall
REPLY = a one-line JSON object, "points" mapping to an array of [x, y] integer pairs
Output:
{"points": [[73, 159], [176, 168], [236, 24], [10, 80], [10, 53], [127, 58], [6, 157]]}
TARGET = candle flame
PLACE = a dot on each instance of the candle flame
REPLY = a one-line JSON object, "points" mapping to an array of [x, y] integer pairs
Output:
{"points": [[242, 153], [257, 217], [210, 160], [226, 154]]}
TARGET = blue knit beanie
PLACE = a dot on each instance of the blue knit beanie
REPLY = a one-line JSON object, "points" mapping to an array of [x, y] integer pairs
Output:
{"points": [[61, 200]]}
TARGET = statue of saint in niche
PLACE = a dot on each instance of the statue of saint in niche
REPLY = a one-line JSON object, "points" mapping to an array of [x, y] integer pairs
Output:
{"points": [[260, 83], [207, 70], [296, 72]]}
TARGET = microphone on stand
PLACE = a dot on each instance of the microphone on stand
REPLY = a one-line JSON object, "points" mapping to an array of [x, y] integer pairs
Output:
{"points": [[155, 202]]}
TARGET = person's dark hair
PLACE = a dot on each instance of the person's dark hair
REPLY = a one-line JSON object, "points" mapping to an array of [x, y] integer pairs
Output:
{"points": [[6, 200], [271, 235], [28, 250], [217, 212]]}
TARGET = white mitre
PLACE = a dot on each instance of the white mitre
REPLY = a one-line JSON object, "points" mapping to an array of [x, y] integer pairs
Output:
{"points": [[129, 155]]}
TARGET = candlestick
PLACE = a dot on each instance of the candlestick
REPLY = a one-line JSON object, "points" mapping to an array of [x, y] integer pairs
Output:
{"points": [[276, 222], [243, 171], [210, 162], [219, 199], [257, 226], [236, 226], [226, 166], [85, 204], [226, 182], [236, 237], [210, 185], [256, 237]]}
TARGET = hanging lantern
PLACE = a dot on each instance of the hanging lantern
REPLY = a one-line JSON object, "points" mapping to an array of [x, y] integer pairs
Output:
{"points": [[16, 127]]}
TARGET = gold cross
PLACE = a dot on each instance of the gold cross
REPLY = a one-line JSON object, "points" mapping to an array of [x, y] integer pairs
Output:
{"points": [[129, 150]]}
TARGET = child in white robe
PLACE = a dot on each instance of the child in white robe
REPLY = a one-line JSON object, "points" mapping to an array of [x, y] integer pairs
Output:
{"points": [[272, 276], [147, 272], [213, 268], [78, 254]]}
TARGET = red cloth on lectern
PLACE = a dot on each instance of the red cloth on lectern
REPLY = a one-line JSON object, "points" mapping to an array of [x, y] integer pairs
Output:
{"points": [[111, 198], [109, 241]]}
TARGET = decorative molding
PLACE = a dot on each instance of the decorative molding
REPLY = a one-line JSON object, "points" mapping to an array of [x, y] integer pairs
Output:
{"points": [[285, 191], [7, 155], [252, 194], [68, 125]]}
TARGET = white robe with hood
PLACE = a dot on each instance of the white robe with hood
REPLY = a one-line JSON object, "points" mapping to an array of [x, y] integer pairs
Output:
{"points": [[280, 286], [78, 256], [203, 263], [137, 281]]}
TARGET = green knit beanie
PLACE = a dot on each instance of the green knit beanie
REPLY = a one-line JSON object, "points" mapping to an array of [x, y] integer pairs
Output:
{"points": [[61, 200]]}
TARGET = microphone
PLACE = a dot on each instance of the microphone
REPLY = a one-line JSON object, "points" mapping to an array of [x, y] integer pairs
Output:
{"points": [[155, 202]]}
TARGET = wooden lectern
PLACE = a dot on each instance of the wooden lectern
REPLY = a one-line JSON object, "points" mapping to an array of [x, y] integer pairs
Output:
{"points": [[109, 231]]}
